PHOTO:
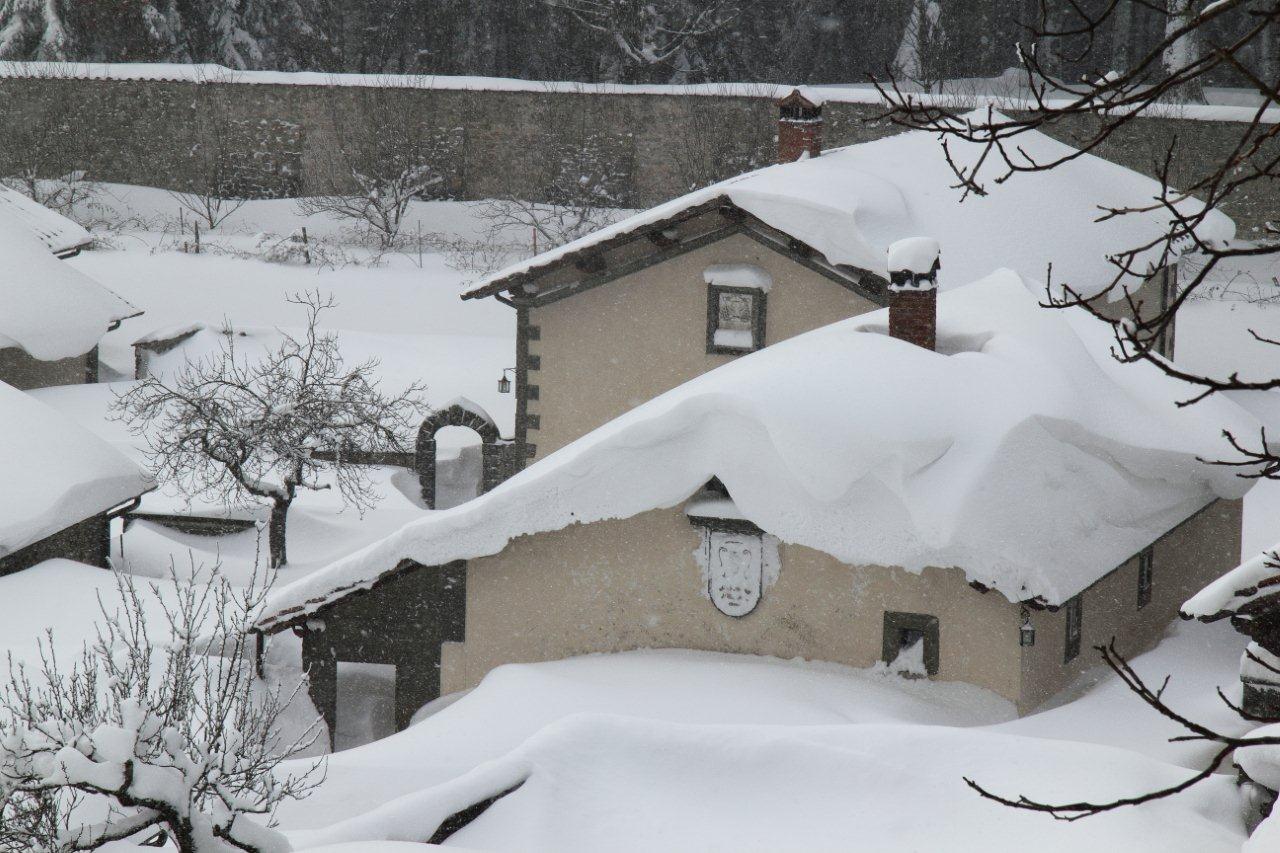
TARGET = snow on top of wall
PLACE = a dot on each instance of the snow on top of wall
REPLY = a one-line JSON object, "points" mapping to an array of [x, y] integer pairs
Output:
{"points": [[1029, 458], [1236, 588], [56, 472], [47, 307], [738, 275], [851, 204], [56, 231], [818, 94]]}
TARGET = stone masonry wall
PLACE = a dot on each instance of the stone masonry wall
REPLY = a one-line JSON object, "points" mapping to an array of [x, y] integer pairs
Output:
{"points": [[285, 140]]}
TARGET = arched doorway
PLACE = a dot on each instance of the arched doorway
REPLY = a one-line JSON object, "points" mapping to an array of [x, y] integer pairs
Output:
{"points": [[495, 452]]}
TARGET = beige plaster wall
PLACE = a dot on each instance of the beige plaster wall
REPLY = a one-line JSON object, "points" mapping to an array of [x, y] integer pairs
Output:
{"points": [[20, 370], [1185, 559], [634, 583], [609, 349]]}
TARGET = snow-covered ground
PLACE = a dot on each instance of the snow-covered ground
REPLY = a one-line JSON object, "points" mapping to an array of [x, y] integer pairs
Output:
{"points": [[662, 750]]}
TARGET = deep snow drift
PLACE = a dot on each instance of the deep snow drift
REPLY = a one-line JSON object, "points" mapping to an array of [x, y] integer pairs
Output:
{"points": [[730, 752]]}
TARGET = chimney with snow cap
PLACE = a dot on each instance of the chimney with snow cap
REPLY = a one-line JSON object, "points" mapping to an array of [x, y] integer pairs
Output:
{"points": [[799, 125], [913, 291]]}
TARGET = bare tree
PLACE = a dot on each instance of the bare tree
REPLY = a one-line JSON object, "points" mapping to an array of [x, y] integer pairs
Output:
{"points": [[652, 37], [41, 156], [211, 190], [1102, 106], [378, 201], [389, 151], [923, 52], [1153, 697], [1198, 45], [583, 188], [163, 739], [260, 431]]}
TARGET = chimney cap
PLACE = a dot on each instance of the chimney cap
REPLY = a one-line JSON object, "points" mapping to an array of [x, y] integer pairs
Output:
{"points": [[803, 97], [914, 263]]}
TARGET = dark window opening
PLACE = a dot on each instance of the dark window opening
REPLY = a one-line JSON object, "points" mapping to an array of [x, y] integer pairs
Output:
{"points": [[1074, 616], [902, 631], [1146, 566], [735, 319]]}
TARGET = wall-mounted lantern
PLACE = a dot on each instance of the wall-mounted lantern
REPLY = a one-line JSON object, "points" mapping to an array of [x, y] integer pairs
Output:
{"points": [[504, 384], [1027, 633]]}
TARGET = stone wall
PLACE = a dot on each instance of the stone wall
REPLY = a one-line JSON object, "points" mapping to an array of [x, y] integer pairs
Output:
{"points": [[267, 139]]}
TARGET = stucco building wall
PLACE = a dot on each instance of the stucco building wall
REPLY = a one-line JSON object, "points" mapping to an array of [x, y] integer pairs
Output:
{"points": [[634, 583], [606, 350], [1202, 548]]}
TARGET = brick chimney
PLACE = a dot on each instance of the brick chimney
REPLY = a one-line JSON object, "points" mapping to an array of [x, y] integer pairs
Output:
{"points": [[799, 126], [913, 291]]}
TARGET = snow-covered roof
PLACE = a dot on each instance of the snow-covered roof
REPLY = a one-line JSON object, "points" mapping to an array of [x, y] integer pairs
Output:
{"points": [[1254, 579], [1020, 452], [63, 236], [48, 307], [56, 472], [852, 203]]}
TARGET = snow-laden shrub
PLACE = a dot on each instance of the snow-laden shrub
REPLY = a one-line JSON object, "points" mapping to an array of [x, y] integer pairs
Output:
{"points": [[147, 737]]}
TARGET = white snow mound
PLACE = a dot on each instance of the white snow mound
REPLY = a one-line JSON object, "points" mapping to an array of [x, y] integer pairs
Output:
{"points": [[56, 472]]}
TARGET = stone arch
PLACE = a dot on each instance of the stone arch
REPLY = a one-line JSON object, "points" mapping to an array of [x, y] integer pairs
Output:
{"points": [[464, 413]]}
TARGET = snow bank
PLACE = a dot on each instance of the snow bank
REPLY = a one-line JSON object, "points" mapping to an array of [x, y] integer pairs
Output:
{"points": [[48, 308], [747, 788], [56, 231], [56, 473], [1030, 458], [851, 204], [515, 701]]}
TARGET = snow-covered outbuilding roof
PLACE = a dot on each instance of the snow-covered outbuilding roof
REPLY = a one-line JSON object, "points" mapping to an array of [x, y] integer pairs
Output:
{"points": [[1253, 580], [48, 307], [56, 473], [1020, 452], [852, 203], [63, 236]]}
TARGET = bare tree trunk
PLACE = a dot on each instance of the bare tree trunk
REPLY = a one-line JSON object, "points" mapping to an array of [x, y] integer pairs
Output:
{"points": [[1121, 34], [276, 531]]}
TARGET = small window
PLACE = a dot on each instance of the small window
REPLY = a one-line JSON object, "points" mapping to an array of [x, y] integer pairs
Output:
{"points": [[1073, 630], [904, 631], [735, 319], [1146, 563]]}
